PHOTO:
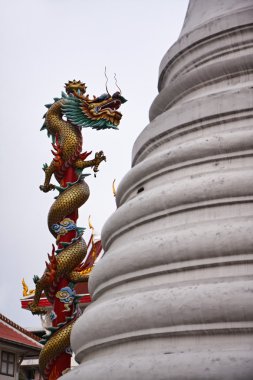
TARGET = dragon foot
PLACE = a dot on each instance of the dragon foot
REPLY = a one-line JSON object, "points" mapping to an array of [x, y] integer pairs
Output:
{"points": [[99, 157], [47, 188], [37, 310]]}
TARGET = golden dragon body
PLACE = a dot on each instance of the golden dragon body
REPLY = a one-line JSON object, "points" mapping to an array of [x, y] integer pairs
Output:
{"points": [[65, 264]]}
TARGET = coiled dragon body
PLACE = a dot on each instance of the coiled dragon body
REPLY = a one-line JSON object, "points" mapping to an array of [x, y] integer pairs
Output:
{"points": [[65, 264]]}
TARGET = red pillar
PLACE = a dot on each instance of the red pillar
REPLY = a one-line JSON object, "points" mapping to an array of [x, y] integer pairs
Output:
{"points": [[63, 361]]}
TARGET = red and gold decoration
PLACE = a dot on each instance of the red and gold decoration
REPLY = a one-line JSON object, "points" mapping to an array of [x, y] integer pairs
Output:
{"points": [[68, 263]]}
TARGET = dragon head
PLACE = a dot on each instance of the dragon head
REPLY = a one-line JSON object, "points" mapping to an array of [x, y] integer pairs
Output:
{"points": [[98, 113]]}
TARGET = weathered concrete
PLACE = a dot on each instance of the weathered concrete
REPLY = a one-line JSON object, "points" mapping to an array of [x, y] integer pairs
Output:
{"points": [[173, 294]]}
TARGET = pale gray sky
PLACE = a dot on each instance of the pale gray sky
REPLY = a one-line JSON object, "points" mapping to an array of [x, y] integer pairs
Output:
{"points": [[45, 43]]}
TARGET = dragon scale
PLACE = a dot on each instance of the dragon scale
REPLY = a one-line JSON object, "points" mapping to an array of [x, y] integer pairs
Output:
{"points": [[64, 121]]}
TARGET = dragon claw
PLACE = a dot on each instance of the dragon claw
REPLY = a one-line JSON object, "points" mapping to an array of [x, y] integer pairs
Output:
{"points": [[36, 310], [99, 157], [47, 188]]}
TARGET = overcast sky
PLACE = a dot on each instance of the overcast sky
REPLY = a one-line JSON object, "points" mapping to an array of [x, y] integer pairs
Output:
{"points": [[45, 43]]}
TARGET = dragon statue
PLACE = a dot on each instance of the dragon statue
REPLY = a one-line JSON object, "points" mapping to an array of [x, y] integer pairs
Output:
{"points": [[63, 121]]}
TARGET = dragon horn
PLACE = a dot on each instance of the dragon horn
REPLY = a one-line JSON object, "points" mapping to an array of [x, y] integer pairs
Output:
{"points": [[117, 83], [106, 82]]}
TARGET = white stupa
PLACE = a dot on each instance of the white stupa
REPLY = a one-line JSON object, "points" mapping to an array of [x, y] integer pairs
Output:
{"points": [[173, 295]]}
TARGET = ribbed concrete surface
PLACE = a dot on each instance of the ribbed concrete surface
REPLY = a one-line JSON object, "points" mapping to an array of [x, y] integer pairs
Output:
{"points": [[173, 293]]}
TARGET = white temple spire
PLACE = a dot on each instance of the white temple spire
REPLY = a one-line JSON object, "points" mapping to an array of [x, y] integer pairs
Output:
{"points": [[172, 296]]}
